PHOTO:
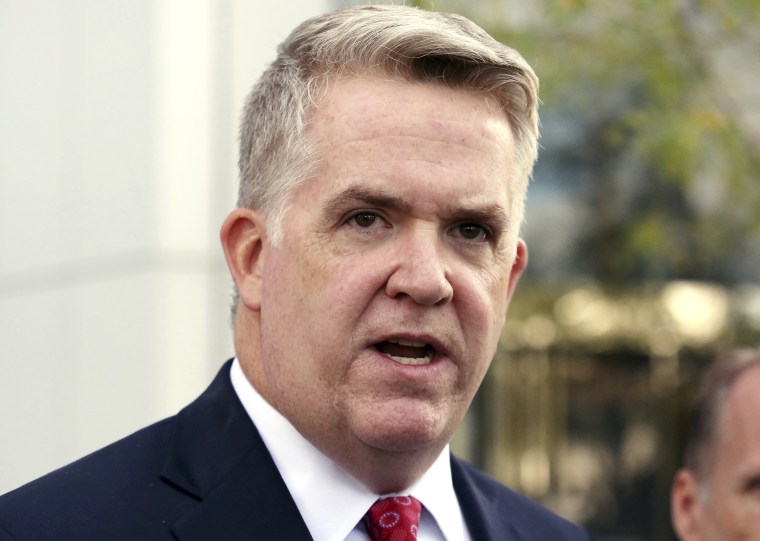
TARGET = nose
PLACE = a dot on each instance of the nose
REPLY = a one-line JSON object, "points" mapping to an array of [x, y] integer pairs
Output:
{"points": [[420, 272]]}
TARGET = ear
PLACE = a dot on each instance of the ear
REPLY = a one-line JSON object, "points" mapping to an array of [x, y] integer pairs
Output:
{"points": [[685, 506], [243, 237], [518, 266]]}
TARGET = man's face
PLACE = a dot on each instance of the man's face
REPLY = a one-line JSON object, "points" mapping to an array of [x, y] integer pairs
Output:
{"points": [[727, 502], [382, 306]]}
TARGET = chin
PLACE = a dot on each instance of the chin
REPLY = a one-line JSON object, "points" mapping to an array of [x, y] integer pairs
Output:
{"points": [[403, 431], [400, 443]]}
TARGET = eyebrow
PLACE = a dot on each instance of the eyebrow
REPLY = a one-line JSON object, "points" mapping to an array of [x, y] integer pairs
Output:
{"points": [[374, 197], [492, 214]]}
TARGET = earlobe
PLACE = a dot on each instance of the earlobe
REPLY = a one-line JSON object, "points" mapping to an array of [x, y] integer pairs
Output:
{"points": [[243, 236], [685, 506]]}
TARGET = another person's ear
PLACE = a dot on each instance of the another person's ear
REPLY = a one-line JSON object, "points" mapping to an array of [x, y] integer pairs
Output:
{"points": [[243, 237], [686, 506]]}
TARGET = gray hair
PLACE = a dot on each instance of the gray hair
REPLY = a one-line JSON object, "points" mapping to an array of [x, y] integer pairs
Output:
{"points": [[708, 408], [395, 42]]}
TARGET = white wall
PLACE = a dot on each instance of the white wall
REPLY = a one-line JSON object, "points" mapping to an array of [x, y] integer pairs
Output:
{"points": [[118, 123]]}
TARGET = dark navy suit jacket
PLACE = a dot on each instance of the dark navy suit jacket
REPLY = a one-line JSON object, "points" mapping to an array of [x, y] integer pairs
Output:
{"points": [[206, 475]]}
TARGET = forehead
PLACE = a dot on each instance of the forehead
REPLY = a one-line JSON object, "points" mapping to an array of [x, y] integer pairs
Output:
{"points": [[367, 122], [380, 101]]}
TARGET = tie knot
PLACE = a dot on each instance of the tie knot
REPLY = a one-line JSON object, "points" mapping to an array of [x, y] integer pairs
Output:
{"points": [[394, 519]]}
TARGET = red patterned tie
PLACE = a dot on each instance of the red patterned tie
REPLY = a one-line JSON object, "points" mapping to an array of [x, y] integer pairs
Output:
{"points": [[393, 519]]}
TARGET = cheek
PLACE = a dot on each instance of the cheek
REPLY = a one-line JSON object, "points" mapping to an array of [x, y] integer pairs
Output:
{"points": [[349, 283], [481, 310], [483, 295]]}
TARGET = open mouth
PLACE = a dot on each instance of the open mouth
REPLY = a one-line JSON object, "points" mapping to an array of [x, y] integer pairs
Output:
{"points": [[409, 352]]}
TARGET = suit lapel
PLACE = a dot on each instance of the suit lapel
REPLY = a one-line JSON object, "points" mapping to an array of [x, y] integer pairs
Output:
{"points": [[479, 504], [253, 503], [218, 457]]}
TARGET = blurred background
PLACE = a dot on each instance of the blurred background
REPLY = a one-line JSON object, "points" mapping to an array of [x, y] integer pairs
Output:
{"points": [[118, 124]]}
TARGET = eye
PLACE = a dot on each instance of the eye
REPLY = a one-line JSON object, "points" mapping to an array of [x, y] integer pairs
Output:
{"points": [[472, 232], [364, 219]]}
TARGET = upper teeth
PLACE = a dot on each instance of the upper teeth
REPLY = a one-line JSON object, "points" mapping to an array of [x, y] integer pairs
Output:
{"points": [[402, 342]]}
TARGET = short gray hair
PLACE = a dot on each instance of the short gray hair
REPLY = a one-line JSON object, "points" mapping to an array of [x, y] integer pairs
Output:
{"points": [[708, 408], [396, 42]]}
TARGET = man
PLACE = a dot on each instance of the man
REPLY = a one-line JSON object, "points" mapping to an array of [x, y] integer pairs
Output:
{"points": [[384, 161], [716, 496]]}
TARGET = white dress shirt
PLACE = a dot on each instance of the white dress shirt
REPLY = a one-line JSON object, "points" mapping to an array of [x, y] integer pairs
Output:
{"points": [[333, 503]]}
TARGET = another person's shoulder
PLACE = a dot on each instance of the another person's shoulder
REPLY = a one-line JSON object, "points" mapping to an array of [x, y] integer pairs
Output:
{"points": [[83, 499], [524, 517]]}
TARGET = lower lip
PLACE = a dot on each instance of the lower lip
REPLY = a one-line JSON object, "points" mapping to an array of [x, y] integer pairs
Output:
{"points": [[432, 368], [414, 362]]}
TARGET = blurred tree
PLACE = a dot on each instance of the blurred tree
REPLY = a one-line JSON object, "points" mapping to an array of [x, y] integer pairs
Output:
{"points": [[662, 96]]}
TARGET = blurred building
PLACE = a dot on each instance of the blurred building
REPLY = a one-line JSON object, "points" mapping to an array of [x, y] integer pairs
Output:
{"points": [[118, 123]]}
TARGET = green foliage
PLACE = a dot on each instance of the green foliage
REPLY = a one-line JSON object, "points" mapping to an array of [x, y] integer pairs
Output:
{"points": [[650, 84]]}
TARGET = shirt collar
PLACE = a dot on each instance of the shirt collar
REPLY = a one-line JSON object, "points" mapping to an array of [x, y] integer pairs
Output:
{"points": [[342, 500]]}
